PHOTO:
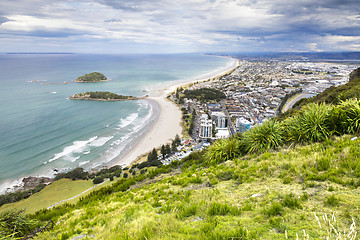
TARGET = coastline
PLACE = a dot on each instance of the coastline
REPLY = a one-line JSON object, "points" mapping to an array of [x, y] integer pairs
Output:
{"points": [[162, 130], [169, 121]]}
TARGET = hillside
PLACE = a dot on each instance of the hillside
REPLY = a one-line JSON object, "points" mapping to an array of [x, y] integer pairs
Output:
{"points": [[257, 196]]}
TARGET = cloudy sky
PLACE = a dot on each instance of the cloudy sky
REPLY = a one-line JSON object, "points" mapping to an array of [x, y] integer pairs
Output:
{"points": [[168, 26]]}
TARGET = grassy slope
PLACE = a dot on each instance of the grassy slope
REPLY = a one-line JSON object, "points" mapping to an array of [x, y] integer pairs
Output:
{"points": [[55, 192], [241, 197]]}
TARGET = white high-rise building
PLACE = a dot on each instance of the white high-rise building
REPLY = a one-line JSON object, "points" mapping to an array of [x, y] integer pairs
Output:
{"points": [[205, 127]]}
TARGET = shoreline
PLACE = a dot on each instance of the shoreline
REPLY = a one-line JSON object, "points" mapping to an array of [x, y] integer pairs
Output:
{"points": [[169, 122]]}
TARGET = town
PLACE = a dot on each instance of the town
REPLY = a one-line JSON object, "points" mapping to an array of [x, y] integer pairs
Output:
{"points": [[252, 93]]}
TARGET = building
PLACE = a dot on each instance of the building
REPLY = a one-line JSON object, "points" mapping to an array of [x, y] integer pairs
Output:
{"points": [[220, 119], [205, 127], [242, 125], [222, 133]]}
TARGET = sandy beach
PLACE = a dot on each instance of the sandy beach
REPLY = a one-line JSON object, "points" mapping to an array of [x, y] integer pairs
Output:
{"points": [[168, 123]]}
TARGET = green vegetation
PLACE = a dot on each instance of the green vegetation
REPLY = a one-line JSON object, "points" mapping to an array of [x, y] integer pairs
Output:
{"points": [[204, 94], [19, 195], [107, 96], [92, 77], [242, 197], [15, 225], [51, 194]]}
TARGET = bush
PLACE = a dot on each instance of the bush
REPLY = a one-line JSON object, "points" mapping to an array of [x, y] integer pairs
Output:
{"points": [[125, 175], [222, 150], [332, 201], [274, 209], [222, 209], [348, 113], [291, 201], [15, 225], [77, 173], [311, 124], [323, 164], [267, 136], [98, 180]]}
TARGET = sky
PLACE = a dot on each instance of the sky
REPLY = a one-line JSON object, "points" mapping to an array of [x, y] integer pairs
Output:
{"points": [[179, 26]]}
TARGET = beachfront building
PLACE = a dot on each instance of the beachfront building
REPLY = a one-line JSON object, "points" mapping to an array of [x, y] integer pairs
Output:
{"points": [[205, 127], [222, 133], [242, 124]]}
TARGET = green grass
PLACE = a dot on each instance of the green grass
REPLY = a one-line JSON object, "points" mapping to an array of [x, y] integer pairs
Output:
{"points": [[55, 192], [253, 203]]}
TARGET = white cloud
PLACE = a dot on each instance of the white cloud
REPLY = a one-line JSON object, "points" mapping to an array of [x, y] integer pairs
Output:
{"points": [[188, 24]]}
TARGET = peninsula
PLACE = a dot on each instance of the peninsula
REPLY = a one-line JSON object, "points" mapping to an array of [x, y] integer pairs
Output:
{"points": [[92, 77], [101, 96]]}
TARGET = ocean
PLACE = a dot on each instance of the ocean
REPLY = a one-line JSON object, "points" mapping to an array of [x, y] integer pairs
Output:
{"points": [[43, 132]]}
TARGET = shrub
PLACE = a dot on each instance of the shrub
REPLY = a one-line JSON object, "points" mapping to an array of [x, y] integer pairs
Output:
{"points": [[332, 201], [222, 150], [323, 164], [267, 136], [291, 201], [125, 175], [350, 116], [274, 209], [77, 173], [222, 209], [304, 196], [15, 225], [98, 180], [311, 124], [186, 211]]}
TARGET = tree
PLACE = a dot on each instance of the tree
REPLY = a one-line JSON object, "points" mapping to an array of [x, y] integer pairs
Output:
{"points": [[177, 140], [168, 149], [163, 151], [98, 180], [152, 155], [173, 146]]}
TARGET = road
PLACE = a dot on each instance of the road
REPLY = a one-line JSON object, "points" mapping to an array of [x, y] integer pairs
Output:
{"points": [[294, 99]]}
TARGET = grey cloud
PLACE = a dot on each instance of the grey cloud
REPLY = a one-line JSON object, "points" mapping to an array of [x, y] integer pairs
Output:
{"points": [[61, 33], [113, 20], [4, 20]]}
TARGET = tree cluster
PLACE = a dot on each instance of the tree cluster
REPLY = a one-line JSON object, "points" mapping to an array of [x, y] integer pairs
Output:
{"points": [[205, 94], [106, 95]]}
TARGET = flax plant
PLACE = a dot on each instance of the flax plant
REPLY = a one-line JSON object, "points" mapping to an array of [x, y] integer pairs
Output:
{"points": [[311, 124], [351, 111], [267, 136], [223, 150]]}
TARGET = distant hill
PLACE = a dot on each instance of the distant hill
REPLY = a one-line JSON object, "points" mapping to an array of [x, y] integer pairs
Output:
{"points": [[299, 56]]}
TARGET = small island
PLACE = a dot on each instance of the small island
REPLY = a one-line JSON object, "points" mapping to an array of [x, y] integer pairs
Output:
{"points": [[92, 77], [101, 96]]}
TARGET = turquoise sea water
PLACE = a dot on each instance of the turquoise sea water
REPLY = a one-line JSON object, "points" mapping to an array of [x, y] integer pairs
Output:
{"points": [[41, 130]]}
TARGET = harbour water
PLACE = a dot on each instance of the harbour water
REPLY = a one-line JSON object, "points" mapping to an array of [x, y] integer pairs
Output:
{"points": [[43, 132]]}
